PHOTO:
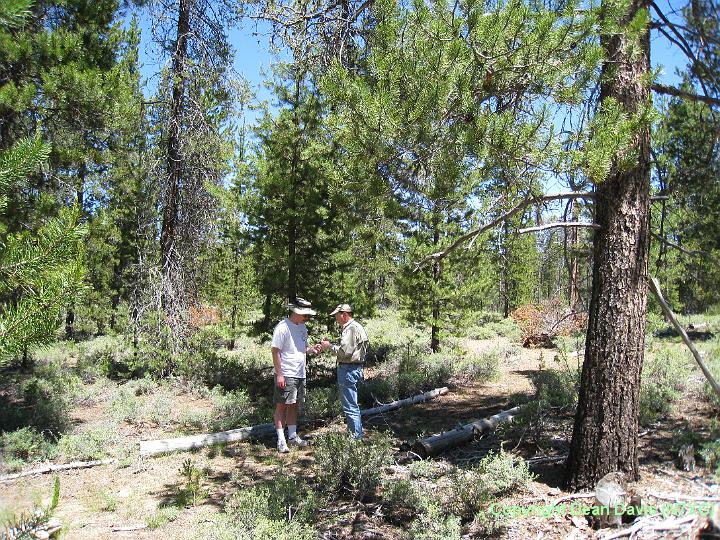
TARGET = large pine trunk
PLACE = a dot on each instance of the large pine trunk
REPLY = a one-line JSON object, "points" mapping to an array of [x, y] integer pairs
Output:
{"points": [[606, 423]]}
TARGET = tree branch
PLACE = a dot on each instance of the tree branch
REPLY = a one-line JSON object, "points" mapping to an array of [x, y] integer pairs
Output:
{"points": [[679, 247], [557, 225], [530, 199], [672, 91]]}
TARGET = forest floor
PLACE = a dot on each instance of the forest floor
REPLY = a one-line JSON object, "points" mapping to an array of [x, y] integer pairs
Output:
{"points": [[137, 497]]}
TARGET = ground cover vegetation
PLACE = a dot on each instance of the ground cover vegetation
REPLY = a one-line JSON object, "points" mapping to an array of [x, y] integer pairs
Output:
{"points": [[150, 238]]}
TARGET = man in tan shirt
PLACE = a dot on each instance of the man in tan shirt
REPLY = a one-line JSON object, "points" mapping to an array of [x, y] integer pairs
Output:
{"points": [[351, 354]]}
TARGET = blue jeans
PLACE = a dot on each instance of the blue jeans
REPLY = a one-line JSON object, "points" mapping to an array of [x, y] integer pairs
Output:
{"points": [[348, 377]]}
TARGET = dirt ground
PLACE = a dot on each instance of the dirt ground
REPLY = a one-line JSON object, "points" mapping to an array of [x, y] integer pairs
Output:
{"points": [[102, 501]]}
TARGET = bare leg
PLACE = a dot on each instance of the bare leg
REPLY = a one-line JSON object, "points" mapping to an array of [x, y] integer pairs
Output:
{"points": [[280, 411], [292, 412]]}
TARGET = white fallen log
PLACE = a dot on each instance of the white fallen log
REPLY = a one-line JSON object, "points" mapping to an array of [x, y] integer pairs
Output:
{"points": [[149, 448], [57, 468], [421, 398], [431, 446]]}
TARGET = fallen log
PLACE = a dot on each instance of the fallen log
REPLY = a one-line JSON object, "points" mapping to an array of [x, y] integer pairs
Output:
{"points": [[655, 289], [57, 468], [432, 446], [421, 398], [149, 448]]}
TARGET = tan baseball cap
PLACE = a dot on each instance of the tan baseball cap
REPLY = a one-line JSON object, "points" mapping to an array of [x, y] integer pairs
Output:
{"points": [[342, 307]]}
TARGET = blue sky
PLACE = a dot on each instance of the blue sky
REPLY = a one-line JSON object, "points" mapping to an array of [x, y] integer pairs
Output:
{"points": [[253, 58]]}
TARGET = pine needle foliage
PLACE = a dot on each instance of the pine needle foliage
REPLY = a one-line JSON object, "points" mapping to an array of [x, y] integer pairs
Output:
{"points": [[40, 271]]}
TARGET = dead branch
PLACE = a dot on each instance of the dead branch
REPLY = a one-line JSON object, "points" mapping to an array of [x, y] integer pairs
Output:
{"points": [[680, 497], [57, 468], [676, 92], [559, 224], [574, 496], [655, 289], [679, 247], [527, 201]]}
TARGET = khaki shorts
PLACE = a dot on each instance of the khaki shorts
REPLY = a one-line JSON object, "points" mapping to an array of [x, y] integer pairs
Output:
{"points": [[294, 392]]}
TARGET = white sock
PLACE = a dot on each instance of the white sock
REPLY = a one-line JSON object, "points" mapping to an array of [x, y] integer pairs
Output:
{"points": [[280, 435], [292, 432]]}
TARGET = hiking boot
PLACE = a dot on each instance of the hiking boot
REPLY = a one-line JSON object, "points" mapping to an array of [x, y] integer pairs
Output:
{"points": [[282, 447], [297, 441]]}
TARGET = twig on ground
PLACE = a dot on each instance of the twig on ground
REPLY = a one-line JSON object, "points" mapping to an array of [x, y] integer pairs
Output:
{"points": [[573, 496], [680, 497], [58, 468]]}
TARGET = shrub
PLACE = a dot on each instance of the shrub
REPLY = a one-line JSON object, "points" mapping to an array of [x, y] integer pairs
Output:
{"points": [[434, 524], [403, 499], [48, 396], [26, 445], [346, 466], [712, 360], [232, 410], [125, 406], [280, 508], [102, 357], [192, 491], [207, 362], [663, 379], [162, 516], [321, 403], [557, 387], [494, 476], [90, 444]]}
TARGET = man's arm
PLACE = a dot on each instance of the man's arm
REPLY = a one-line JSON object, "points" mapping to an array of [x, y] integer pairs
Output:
{"points": [[279, 377]]}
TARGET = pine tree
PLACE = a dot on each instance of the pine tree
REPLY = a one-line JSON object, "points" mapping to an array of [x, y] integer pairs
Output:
{"points": [[39, 273]]}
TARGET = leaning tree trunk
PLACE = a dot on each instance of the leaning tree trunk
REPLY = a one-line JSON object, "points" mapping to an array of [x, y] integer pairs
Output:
{"points": [[169, 231], [605, 434]]}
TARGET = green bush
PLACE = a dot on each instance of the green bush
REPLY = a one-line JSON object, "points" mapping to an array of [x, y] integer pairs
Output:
{"points": [[232, 410], [494, 476], [90, 444], [557, 387], [321, 403], [280, 508], [47, 397], [492, 326], [663, 379], [403, 499], [710, 453], [207, 362], [348, 467], [712, 360], [434, 524], [125, 406], [26, 445], [102, 357]]}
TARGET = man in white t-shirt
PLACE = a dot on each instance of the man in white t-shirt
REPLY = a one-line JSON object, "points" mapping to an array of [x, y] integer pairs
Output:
{"points": [[289, 347]]}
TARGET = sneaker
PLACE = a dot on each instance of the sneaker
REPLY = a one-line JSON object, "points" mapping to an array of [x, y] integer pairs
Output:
{"points": [[282, 447], [297, 441]]}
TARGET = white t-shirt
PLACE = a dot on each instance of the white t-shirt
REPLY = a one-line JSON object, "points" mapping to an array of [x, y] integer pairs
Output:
{"points": [[292, 340]]}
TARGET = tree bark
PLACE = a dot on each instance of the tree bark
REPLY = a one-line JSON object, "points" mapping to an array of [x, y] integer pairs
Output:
{"points": [[169, 231], [436, 272], [605, 434]]}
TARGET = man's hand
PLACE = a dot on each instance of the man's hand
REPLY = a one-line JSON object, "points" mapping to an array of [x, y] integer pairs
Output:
{"points": [[325, 344], [280, 381]]}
